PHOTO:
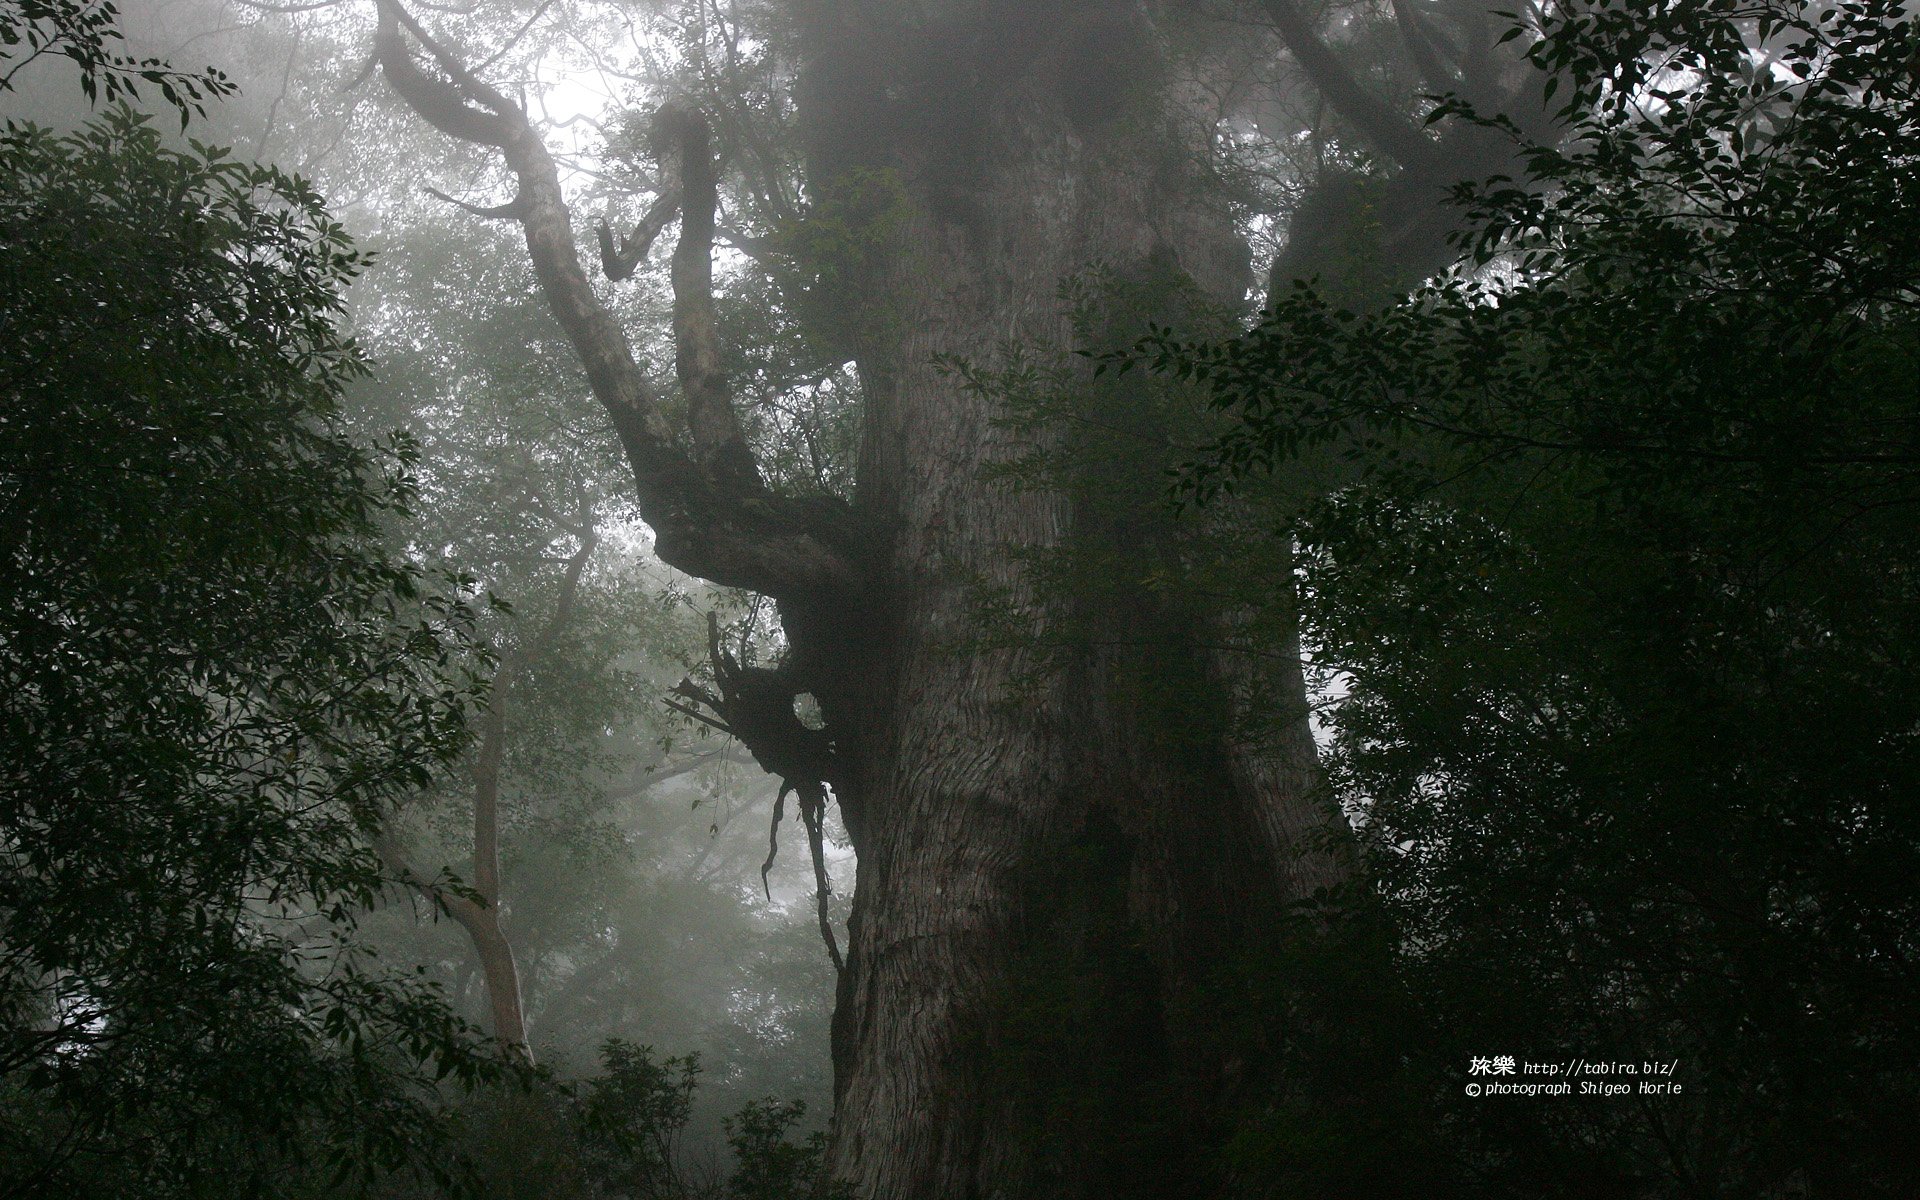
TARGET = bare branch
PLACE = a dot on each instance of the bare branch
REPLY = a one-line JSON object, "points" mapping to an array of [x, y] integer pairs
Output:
{"points": [[1387, 129], [510, 211], [619, 259], [1423, 49], [697, 715], [313, 6], [813, 814], [439, 103], [507, 46], [646, 780], [773, 839], [683, 134]]}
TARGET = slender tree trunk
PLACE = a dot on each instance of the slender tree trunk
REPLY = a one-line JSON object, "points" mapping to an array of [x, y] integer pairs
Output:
{"points": [[499, 972], [480, 918]]}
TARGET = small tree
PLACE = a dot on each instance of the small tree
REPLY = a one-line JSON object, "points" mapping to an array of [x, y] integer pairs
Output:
{"points": [[214, 681], [631, 1117]]}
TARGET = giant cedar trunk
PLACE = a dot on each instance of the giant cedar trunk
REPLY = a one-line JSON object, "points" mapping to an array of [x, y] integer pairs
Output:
{"points": [[1049, 875], [1045, 879]]}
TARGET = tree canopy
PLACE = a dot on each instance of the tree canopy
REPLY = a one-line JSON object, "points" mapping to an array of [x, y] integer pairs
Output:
{"points": [[1492, 655]]}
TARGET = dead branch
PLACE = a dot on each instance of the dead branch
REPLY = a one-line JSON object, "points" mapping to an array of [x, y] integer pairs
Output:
{"points": [[620, 257], [755, 705], [510, 211], [1423, 47], [685, 138], [1390, 131], [813, 814]]}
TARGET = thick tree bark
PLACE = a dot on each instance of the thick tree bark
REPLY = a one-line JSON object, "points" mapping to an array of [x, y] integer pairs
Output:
{"points": [[990, 780], [1048, 875]]}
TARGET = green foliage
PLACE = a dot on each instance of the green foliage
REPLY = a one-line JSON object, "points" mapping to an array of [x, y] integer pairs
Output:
{"points": [[83, 31], [769, 1165], [830, 255], [215, 682], [631, 1118], [520, 1141], [798, 394], [851, 227], [627, 902], [1136, 573], [1332, 1087], [1622, 587], [622, 1134]]}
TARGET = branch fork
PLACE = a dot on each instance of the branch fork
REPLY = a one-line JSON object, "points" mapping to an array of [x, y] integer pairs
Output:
{"points": [[699, 486]]}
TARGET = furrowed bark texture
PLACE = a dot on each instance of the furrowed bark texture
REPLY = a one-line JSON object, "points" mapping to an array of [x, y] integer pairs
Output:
{"points": [[1054, 866], [1018, 817]]}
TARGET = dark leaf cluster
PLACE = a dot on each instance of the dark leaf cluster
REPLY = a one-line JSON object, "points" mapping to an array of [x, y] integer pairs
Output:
{"points": [[85, 33], [215, 682], [1619, 586]]}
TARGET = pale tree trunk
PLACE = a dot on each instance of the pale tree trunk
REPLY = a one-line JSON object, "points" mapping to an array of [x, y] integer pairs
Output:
{"points": [[499, 972], [479, 914]]}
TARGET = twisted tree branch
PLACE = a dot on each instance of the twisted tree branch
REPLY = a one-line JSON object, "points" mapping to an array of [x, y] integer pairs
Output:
{"points": [[755, 705], [510, 211], [711, 512]]}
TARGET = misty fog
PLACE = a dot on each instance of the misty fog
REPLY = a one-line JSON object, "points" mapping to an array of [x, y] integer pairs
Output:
{"points": [[817, 598]]}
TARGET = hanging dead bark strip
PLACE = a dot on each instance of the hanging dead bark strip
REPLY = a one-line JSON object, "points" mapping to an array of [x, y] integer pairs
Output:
{"points": [[773, 837], [813, 814], [756, 705]]}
